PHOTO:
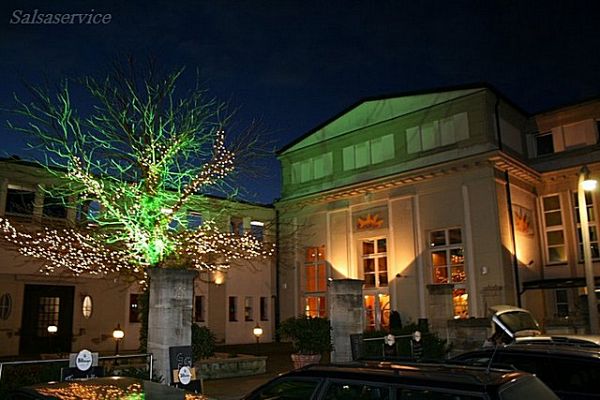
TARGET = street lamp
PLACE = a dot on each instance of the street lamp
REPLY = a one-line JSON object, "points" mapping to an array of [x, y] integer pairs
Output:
{"points": [[587, 184], [118, 334], [257, 331]]}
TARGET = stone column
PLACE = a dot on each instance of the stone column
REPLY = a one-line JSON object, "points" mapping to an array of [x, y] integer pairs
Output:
{"points": [[346, 315], [170, 314]]}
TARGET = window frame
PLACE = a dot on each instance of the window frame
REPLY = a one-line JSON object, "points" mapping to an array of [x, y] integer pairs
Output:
{"points": [[264, 308], [22, 190], [377, 256], [248, 308], [554, 228], [232, 309], [447, 248], [199, 308], [592, 225]]}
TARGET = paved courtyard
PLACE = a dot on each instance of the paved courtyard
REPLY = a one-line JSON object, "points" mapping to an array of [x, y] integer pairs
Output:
{"points": [[278, 361]]}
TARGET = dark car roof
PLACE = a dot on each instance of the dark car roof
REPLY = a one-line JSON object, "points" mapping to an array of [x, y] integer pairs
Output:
{"points": [[555, 349], [446, 376], [114, 387]]}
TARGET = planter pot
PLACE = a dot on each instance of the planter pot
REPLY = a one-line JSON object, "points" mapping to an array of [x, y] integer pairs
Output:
{"points": [[300, 360]]}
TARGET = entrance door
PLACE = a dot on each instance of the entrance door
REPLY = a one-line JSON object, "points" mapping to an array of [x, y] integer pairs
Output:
{"points": [[44, 306]]}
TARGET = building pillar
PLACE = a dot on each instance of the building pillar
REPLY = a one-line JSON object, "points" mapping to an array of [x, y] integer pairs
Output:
{"points": [[346, 315], [170, 314]]}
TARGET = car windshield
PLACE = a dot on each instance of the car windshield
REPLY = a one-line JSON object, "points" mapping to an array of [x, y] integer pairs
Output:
{"points": [[517, 321], [527, 388]]}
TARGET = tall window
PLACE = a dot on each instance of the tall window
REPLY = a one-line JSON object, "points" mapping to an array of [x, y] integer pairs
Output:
{"points": [[232, 308], [447, 256], [374, 262], [316, 281], [257, 230], [554, 229], [264, 309], [48, 312], [592, 225], [199, 309], [134, 307], [377, 311], [561, 299], [315, 306], [236, 225], [248, 309]]}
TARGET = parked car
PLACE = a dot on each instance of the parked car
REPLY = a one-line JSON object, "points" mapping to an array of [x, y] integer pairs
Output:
{"points": [[516, 325], [110, 388], [572, 372], [387, 381]]}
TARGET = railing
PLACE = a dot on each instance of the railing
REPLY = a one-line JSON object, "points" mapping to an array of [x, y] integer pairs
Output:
{"points": [[404, 346], [114, 361]]}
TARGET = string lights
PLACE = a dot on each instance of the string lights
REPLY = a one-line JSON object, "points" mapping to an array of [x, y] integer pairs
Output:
{"points": [[145, 158]]}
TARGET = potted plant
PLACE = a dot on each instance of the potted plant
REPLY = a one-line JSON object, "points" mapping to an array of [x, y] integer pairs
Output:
{"points": [[310, 337]]}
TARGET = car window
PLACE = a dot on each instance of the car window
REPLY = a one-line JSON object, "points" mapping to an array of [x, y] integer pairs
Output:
{"points": [[288, 389], [528, 387], [576, 376], [533, 363], [356, 391], [433, 394]]}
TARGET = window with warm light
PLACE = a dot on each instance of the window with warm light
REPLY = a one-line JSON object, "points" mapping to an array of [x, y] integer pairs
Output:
{"points": [[377, 311], [591, 224], [447, 256], [374, 262], [86, 307], [460, 303], [315, 270], [554, 229], [236, 225]]}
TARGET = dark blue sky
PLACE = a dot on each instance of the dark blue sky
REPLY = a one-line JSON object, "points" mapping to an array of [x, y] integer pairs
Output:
{"points": [[294, 64]]}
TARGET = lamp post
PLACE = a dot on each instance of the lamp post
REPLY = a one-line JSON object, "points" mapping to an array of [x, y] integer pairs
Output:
{"points": [[118, 334], [52, 331], [257, 332], [587, 184]]}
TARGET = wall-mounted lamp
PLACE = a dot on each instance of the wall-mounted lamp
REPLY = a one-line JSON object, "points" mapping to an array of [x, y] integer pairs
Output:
{"points": [[52, 329], [118, 335]]}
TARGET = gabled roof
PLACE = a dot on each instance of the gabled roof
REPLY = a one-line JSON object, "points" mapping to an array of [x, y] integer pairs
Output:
{"points": [[372, 111]]}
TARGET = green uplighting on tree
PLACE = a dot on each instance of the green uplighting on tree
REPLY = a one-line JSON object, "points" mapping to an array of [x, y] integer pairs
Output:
{"points": [[147, 155]]}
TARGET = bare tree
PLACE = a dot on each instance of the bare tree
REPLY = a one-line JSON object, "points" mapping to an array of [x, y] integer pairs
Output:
{"points": [[149, 154]]}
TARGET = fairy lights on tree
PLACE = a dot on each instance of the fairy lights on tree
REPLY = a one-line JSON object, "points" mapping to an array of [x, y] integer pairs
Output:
{"points": [[147, 155]]}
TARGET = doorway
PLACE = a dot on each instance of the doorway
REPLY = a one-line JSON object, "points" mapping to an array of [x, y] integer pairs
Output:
{"points": [[47, 306]]}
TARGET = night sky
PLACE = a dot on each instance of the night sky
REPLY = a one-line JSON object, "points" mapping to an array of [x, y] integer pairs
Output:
{"points": [[294, 64]]}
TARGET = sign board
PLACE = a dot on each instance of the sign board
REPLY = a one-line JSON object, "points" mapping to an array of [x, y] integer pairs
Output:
{"points": [[83, 360], [181, 364]]}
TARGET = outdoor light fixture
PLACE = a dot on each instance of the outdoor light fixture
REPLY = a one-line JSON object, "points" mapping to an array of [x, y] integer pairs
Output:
{"points": [[587, 184], [257, 331], [52, 329], [118, 334]]}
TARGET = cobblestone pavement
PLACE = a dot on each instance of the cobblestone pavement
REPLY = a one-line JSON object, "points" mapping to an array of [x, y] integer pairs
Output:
{"points": [[278, 361]]}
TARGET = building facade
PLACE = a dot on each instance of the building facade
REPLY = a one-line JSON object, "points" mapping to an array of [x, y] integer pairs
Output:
{"points": [[86, 310], [444, 203]]}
